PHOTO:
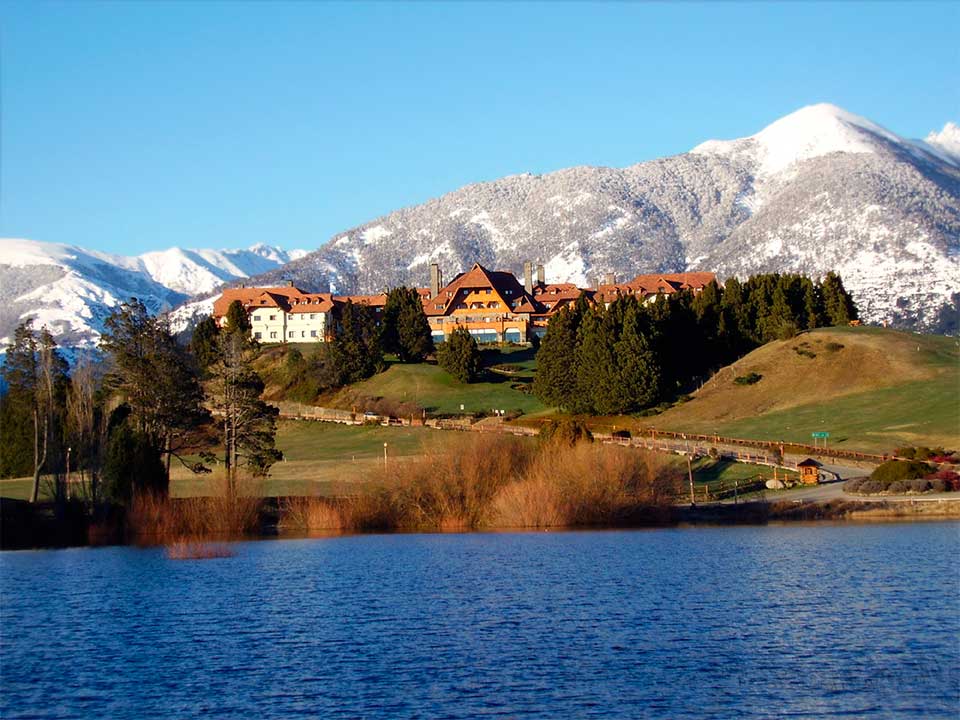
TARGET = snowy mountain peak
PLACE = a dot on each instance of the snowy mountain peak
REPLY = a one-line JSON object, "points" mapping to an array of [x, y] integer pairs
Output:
{"points": [[808, 133], [71, 290]]}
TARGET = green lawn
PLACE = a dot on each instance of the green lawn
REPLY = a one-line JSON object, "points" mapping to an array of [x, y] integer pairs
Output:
{"points": [[877, 421], [884, 389], [431, 388]]}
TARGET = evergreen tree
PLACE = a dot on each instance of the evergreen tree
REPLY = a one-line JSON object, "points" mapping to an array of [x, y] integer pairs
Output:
{"points": [[249, 424], [556, 379], [838, 305], [237, 319], [813, 310], [639, 371], [404, 330], [780, 323], [356, 344], [598, 378], [460, 356], [204, 341], [152, 374], [34, 407], [17, 415]]}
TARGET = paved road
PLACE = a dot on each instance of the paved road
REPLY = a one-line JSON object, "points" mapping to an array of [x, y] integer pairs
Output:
{"points": [[833, 490]]}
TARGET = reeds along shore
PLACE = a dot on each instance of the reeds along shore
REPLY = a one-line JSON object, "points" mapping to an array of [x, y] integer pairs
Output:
{"points": [[182, 521], [500, 482]]}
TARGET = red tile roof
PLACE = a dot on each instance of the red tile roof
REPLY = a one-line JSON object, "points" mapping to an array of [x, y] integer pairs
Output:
{"points": [[478, 278]]}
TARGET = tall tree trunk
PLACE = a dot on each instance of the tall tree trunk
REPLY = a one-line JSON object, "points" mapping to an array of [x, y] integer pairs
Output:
{"points": [[39, 456]]}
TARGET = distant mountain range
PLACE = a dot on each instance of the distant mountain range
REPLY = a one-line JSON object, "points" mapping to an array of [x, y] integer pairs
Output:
{"points": [[72, 290], [820, 189]]}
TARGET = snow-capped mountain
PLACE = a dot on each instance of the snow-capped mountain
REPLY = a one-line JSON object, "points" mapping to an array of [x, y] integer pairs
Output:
{"points": [[72, 290], [820, 189]]}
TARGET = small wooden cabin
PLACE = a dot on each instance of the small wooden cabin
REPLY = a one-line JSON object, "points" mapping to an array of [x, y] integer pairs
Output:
{"points": [[809, 471]]}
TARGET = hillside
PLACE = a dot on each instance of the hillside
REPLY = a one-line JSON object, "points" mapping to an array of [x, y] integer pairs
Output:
{"points": [[880, 389], [818, 190]]}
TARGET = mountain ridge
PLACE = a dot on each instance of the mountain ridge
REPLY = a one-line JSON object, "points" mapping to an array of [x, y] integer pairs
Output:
{"points": [[817, 190], [71, 290]]}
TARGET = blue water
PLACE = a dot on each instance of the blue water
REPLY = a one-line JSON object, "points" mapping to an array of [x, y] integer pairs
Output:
{"points": [[805, 621]]}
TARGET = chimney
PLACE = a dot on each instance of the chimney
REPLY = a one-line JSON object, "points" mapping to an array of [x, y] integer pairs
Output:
{"points": [[528, 277], [609, 279], [540, 275], [434, 280], [289, 283]]}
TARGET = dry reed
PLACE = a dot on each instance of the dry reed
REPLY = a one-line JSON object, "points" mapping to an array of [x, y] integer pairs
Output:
{"points": [[231, 513], [499, 481]]}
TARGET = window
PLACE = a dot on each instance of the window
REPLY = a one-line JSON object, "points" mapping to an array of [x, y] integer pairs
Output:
{"points": [[256, 318], [273, 335], [303, 333], [256, 335], [273, 317], [313, 333], [291, 334], [313, 316]]}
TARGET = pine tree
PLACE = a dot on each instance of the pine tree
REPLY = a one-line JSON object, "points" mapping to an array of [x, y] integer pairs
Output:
{"points": [[556, 379], [249, 424], [237, 319], [639, 371], [460, 356], [356, 344], [813, 310], [203, 343], [598, 377], [838, 305], [17, 416], [34, 407], [404, 330], [156, 377]]}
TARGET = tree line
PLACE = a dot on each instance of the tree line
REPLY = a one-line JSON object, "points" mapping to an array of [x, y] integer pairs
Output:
{"points": [[633, 355], [119, 421], [114, 426]]}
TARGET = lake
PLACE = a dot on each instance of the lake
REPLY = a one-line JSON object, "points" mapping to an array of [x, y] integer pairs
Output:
{"points": [[809, 620]]}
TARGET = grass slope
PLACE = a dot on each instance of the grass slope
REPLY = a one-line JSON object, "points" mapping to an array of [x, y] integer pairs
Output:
{"points": [[431, 388], [882, 389]]}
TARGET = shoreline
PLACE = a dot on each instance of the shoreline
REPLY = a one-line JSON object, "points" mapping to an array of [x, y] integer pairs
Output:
{"points": [[26, 526]]}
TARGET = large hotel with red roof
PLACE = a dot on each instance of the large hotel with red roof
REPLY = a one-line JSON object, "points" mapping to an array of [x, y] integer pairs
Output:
{"points": [[493, 305]]}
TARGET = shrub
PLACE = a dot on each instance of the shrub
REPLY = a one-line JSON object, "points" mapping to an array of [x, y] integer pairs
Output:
{"points": [[568, 431], [460, 356], [898, 487], [748, 379], [853, 484], [906, 452], [870, 487], [949, 477], [938, 485], [833, 347], [787, 330], [919, 484], [900, 470], [803, 352]]}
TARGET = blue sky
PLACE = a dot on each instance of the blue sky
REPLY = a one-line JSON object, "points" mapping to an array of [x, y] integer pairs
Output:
{"points": [[133, 126]]}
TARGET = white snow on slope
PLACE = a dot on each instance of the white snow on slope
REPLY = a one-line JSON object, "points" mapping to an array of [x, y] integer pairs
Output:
{"points": [[810, 132], [72, 290]]}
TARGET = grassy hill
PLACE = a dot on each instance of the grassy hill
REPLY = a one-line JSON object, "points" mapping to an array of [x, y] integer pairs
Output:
{"points": [[431, 388], [872, 389]]}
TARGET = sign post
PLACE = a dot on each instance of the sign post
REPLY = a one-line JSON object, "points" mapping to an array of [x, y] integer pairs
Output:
{"points": [[820, 435]]}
